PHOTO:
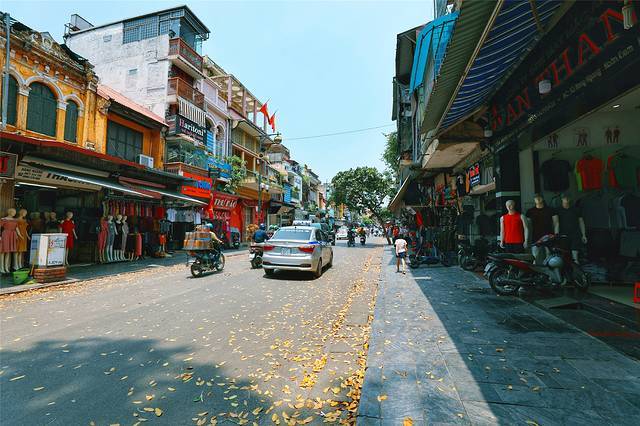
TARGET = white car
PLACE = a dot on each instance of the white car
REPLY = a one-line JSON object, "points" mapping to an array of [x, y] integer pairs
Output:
{"points": [[297, 248], [341, 234]]}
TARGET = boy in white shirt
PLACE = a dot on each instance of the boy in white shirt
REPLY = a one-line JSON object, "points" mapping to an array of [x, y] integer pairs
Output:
{"points": [[401, 252]]}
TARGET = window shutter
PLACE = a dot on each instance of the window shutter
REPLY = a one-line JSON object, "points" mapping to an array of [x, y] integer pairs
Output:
{"points": [[71, 122], [12, 101], [41, 110]]}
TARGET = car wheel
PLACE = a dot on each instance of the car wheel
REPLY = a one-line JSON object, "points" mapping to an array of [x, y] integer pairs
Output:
{"points": [[318, 272], [330, 264], [269, 272]]}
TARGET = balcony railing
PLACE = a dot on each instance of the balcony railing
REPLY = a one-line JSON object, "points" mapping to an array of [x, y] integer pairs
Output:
{"points": [[179, 87], [178, 47]]}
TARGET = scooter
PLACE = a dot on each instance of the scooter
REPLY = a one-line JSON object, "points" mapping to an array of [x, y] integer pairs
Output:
{"points": [[235, 240], [363, 239], [255, 255], [428, 255], [351, 241], [509, 273], [471, 257], [206, 261]]}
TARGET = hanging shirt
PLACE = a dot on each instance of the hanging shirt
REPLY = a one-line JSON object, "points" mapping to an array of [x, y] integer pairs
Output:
{"points": [[590, 171], [461, 185], [513, 229], [171, 215], [631, 205], [625, 169], [555, 174], [197, 218]]}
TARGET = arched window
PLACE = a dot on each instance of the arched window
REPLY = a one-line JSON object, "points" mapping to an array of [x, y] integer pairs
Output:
{"points": [[41, 111], [71, 122], [12, 101], [220, 142]]}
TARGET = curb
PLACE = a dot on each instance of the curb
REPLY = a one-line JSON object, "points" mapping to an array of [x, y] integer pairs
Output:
{"points": [[27, 287]]}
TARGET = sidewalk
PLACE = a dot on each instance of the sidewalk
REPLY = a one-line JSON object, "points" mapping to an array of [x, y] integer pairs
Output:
{"points": [[78, 273], [445, 349]]}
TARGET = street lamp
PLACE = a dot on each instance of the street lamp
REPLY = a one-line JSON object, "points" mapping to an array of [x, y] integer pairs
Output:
{"points": [[264, 147]]}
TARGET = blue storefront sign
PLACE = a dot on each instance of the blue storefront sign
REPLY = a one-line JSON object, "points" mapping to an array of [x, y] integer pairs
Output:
{"points": [[286, 197], [222, 166], [210, 142]]}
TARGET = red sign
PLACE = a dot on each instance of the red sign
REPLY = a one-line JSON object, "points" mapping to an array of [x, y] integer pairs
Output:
{"points": [[7, 165], [201, 189], [222, 201]]}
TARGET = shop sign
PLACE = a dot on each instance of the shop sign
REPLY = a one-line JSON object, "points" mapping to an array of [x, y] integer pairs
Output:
{"points": [[201, 188], [47, 249], [8, 163], [473, 173], [223, 201], [211, 143], [223, 167], [35, 175], [191, 129], [576, 57]]}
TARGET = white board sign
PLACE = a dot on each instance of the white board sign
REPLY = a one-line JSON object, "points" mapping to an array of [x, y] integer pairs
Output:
{"points": [[47, 249]]}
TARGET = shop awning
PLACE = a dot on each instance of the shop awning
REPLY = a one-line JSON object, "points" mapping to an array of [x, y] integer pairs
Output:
{"points": [[483, 189], [516, 28], [171, 194], [395, 204], [93, 180]]}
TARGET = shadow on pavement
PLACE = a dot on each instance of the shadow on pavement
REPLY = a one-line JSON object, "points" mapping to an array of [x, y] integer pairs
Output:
{"points": [[119, 381]]}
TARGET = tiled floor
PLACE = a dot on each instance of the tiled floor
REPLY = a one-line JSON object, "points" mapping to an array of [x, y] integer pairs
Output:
{"points": [[446, 350]]}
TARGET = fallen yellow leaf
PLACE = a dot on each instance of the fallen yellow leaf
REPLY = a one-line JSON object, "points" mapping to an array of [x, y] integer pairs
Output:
{"points": [[408, 421], [158, 412], [382, 398]]}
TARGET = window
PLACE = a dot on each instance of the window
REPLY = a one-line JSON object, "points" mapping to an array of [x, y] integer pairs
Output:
{"points": [[292, 234], [123, 142], [13, 98], [140, 29], [41, 110], [71, 122]]}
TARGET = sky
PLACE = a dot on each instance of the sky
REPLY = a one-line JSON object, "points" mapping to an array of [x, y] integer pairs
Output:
{"points": [[325, 66]]}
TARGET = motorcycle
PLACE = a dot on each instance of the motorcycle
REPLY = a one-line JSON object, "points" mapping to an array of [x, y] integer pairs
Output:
{"points": [[235, 240], [509, 273], [255, 255], [351, 241], [363, 239], [428, 256], [471, 257], [206, 261]]}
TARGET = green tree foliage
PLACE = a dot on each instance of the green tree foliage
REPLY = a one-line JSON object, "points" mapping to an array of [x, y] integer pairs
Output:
{"points": [[391, 154], [238, 173], [363, 190]]}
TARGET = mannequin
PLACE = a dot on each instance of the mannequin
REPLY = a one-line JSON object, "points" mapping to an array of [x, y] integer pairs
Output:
{"points": [[117, 243], [125, 233], [513, 230], [10, 235], [23, 240], [544, 221], [102, 239], [111, 236], [52, 225], [68, 227], [36, 223], [572, 225]]}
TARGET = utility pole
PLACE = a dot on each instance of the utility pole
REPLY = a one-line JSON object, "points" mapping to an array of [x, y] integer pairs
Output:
{"points": [[5, 77]]}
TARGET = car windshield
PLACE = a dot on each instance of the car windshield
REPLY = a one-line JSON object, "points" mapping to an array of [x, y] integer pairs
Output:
{"points": [[292, 234]]}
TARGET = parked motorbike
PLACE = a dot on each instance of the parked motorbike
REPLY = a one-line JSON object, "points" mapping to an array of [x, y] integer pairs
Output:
{"points": [[235, 240], [428, 255], [363, 239], [255, 255], [508, 273], [473, 257], [206, 261]]}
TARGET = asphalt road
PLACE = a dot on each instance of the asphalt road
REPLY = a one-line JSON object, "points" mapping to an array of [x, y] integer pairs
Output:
{"points": [[158, 346]]}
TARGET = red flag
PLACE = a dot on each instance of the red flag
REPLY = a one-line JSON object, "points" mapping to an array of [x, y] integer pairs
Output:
{"points": [[263, 109], [272, 121]]}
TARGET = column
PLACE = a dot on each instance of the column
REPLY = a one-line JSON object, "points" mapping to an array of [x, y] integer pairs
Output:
{"points": [[60, 118], [21, 108]]}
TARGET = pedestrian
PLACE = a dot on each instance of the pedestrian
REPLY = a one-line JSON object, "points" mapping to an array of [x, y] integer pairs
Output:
{"points": [[513, 230], [401, 253]]}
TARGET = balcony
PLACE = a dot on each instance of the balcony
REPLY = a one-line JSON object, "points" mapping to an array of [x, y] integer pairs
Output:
{"points": [[179, 87], [187, 59]]}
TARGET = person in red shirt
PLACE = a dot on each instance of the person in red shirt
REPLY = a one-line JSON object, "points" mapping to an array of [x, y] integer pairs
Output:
{"points": [[513, 230]]}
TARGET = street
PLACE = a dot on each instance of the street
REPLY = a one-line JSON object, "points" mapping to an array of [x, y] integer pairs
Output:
{"points": [[158, 345]]}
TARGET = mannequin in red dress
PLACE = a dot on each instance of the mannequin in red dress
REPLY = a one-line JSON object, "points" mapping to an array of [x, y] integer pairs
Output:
{"points": [[69, 228]]}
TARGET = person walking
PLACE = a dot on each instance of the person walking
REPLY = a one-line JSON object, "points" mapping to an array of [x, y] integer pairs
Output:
{"points": [[401, 253]]}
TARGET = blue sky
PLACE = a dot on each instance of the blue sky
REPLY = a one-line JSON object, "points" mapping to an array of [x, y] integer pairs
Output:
{"points": [[326, 66]]}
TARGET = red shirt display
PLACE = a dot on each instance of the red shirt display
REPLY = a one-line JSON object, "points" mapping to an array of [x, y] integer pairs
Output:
{"points": [[590, 170], [513, 229]]}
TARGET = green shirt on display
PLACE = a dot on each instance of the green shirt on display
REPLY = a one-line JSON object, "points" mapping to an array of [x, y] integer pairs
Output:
{"points": [[625, 169]]}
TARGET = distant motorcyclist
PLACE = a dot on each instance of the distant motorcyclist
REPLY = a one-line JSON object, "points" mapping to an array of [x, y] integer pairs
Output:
{"points": [[351, 235], [260, 236]]}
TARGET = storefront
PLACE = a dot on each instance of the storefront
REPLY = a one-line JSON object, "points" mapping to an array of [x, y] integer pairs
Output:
{"points": [[568, 131], [220, 209]]}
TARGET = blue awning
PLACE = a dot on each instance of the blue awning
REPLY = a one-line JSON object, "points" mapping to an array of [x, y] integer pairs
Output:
{"points": [[513, 33], [431, 45]]}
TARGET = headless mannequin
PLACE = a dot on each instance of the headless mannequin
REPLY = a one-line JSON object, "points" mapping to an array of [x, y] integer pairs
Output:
{"points": [[71, 236], [23, 242], [511, 210], [111, 235], [9, 240], [125, 233]]}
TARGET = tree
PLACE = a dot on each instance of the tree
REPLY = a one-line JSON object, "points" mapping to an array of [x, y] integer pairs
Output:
{"points": [[391, 153], [363, 190], [238, 173]]}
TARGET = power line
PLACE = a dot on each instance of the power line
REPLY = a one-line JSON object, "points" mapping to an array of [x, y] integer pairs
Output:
{"points": [[338, 133]]}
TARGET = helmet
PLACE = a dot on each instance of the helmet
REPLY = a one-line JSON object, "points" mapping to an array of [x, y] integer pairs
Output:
{"points": [[263, 226], [210, 226]]}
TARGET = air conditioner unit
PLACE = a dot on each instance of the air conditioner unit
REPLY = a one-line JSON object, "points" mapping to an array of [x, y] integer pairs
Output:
{"points": [[145, 160]]}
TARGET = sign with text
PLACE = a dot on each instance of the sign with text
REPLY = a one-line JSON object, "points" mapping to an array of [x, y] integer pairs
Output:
{"points": [[201, 188], [42, 177], [8, 163], [191, 129], [47, 249], [474, 175], [222, 201]]}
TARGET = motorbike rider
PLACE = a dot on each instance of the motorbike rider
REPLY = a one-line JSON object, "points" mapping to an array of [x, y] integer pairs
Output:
{"points": [[216, 242], [260, 236], [351, 235]]}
